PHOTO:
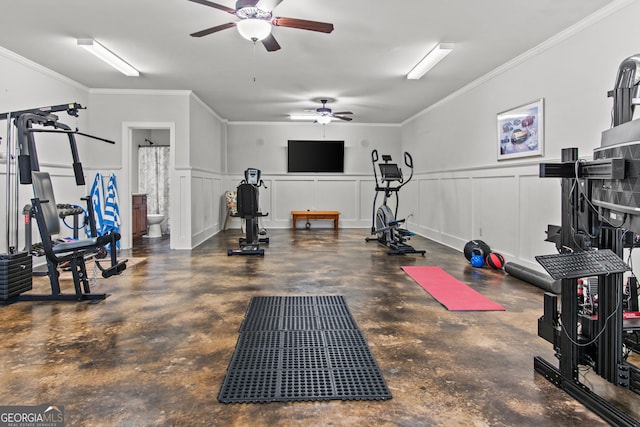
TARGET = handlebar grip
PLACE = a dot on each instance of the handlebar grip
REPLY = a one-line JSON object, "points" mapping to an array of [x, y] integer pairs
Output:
{"points": [[374, 155], [408, 160]]}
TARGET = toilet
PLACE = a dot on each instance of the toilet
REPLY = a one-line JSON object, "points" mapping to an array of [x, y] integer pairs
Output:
{"points": [[154, 221]]}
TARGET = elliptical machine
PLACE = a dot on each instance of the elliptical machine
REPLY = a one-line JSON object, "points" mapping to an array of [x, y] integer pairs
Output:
{"points": [[248, 201], [384, 224]]}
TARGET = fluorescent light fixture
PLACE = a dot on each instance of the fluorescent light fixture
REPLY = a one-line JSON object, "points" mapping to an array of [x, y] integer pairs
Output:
{"points": [[325, 120], [431, 60], [302, 117], [254, 29], [107, 56]]}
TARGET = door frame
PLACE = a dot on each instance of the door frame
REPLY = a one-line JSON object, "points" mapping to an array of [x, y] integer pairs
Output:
{"points": [[129, 169]]}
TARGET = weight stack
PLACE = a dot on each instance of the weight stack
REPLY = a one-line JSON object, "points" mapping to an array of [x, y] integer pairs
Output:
{"points": [[15, 274]]}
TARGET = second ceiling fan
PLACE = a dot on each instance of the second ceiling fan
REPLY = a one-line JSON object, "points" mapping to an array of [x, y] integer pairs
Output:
{"points": [[256, 20], [325, 114]]}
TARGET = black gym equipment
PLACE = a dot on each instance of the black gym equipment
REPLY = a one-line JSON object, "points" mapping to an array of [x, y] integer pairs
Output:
{"points": [[599, 209], [248, 196], [384, 225], [58, 253]]}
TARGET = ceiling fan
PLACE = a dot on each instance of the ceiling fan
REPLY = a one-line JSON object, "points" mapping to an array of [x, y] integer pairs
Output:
{"points": [[256, 20], [325, 114]]}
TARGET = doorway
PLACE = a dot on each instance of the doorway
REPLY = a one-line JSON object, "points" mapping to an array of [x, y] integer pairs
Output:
{"points": [[138, 137], [153, 174]]}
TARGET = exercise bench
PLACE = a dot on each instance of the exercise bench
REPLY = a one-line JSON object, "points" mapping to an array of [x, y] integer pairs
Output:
{"points": [[313, 215]]}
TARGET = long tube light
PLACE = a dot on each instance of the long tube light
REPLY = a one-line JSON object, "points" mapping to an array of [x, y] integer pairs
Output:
{"points": [[431, 60], [302, 117], [107, 56]]}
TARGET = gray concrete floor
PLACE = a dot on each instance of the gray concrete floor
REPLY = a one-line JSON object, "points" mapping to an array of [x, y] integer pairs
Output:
{"points": [[155, 352]]}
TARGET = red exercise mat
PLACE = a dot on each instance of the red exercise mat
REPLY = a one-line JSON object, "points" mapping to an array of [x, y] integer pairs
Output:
{"points": [[449, 291]]}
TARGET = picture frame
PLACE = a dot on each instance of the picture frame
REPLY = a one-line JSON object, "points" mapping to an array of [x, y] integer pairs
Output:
{"points": [[521, 131]]}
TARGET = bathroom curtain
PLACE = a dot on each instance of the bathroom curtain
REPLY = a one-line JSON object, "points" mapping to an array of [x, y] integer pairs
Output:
{"points": [[153, 179]]}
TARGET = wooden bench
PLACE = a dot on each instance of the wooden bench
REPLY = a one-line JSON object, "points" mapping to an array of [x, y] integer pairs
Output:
{"points": [[309, 215]]}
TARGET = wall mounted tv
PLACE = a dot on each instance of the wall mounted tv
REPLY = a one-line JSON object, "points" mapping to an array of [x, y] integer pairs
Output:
{"points": [[315, 156]]}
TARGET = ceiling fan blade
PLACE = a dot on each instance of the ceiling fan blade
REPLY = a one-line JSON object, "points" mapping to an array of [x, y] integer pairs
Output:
{"points": [[270, 43], [215, 5], [341, 113], [348, 119], [268, 5], [321, 27], [213, 29]]}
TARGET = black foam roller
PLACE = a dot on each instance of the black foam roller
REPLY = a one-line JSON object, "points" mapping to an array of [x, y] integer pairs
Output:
{"points": [[541, 280]]}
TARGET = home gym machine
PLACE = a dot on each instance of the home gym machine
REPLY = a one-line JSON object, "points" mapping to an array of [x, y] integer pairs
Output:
{"points": [[58, 252], [248, 197], [600, 218], [384, 225]]}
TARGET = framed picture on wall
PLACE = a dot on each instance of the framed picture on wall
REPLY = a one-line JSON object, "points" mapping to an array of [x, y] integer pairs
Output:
{"points": [[521, 131]]}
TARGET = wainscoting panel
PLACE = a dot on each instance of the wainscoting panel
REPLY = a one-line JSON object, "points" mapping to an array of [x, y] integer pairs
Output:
{"points": [[456, 209], [181, 225], [430, 213], [539, 206], [339, 196], [206, 195], [495, 212], [296, 195], [367, 194], [198, 189], [508, 207]]}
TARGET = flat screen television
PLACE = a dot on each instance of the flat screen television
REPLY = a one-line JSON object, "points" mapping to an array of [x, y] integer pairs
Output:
{"points": [[315, 156]]}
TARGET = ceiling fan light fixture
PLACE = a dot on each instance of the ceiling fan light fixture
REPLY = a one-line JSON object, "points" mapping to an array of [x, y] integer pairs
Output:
{"points": [[325, 120], [109, 57], [254, 29], [431, 60]]}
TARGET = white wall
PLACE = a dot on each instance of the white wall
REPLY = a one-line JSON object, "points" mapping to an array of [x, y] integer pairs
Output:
{"points": [[463, 192], [111, 110], [195, 176], [264, 146], [206, 139]]}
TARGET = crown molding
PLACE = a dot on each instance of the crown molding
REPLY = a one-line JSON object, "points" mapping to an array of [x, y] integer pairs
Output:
{"points": [[12, 56], [197, 99], [156, 92], [563, 35]]}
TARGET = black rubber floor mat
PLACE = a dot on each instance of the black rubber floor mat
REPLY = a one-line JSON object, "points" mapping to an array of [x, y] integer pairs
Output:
{"points": [[301, 349]]}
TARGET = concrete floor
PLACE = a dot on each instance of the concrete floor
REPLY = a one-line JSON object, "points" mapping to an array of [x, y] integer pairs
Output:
{"points": [[155, 352]]}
